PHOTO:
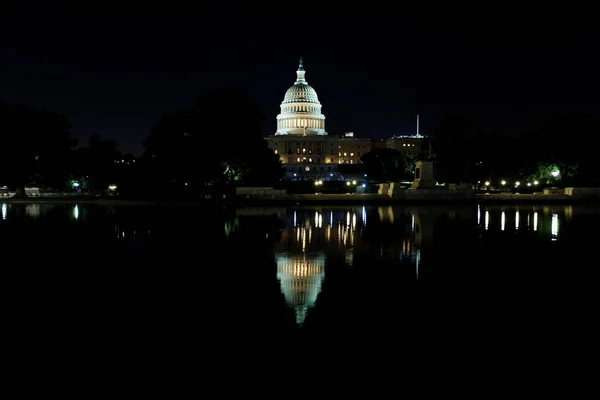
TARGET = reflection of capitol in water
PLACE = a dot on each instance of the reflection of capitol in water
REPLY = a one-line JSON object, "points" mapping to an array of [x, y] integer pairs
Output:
{"points": [[301, 277], [336, 231], [301, 252]]}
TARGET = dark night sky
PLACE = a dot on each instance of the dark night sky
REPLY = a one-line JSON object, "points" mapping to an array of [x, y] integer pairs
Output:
{"points": [[114, 70]]}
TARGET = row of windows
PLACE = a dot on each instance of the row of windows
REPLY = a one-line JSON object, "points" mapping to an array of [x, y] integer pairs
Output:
{"points": [[308, 169], [300, 108], [301, 123], [318, 152], [298, 144], [318, 160]]}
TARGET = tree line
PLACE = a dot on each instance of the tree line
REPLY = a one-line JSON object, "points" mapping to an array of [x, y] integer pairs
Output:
{"points": [[210, 147], [557, 152], [217, 144]]}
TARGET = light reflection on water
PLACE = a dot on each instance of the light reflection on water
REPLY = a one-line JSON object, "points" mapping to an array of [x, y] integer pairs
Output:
{"points": [[309, 244], [548, 223], [344, 234]]}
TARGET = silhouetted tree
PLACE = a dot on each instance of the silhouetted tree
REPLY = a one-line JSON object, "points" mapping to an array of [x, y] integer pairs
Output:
{"points": [[218, 142], [457, 151], [385, 165], [499, 156], [564, 143], [99, 162], [36, 145]]}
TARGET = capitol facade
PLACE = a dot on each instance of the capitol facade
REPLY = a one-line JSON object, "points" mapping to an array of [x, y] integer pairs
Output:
{"points": [[301, 141]]}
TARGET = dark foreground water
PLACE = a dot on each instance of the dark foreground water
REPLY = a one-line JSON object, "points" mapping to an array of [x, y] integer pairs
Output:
{"points": [[96, 282]]}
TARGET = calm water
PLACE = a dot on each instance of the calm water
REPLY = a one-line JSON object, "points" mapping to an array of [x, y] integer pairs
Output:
{"points": [[99, 277]]}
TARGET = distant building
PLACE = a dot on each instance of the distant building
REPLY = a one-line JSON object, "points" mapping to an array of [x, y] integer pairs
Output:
{"points": [[409, 145], [301, 141], [378, 144]]}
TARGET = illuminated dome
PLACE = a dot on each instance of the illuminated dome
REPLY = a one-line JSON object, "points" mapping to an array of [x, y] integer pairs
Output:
{"points": [[301, 93], [300, 109], [301, 277]]}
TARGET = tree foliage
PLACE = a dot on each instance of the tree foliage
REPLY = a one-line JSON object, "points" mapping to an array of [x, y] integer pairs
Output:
{"points": [[456, 150], [36, 146], [386, 165], [564, 143], [464, 152], [217, 142], [96, 163]]}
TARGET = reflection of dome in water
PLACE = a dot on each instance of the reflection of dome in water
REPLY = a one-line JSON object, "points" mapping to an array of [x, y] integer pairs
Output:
{"points": [[301, 276]]}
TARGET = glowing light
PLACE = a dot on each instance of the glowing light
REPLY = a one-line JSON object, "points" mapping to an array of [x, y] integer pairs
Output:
{"points": [[517, 220], [535, 221], [528, 183], [478, 215], [554, 227], [4, 211], [517, 183], [502, 220], [487, 220], [555, 173], [364, 216], [303, 239], [487, 183], [76, 212], [503, 182], [535, 182]]}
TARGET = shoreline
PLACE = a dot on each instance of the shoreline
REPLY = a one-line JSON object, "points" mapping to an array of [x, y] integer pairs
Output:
{"points": [[294, 200]]}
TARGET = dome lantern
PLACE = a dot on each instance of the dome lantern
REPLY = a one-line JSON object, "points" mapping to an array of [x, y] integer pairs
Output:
{"points": [[300, 74]]}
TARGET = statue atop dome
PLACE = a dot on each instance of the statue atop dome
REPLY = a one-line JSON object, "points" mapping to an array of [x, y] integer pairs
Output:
{"points": [[300, 73]]}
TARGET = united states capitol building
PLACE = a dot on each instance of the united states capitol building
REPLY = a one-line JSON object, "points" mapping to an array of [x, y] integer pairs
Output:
{"points": [[303, 144]]}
